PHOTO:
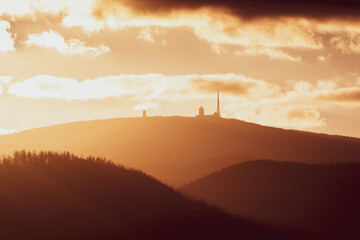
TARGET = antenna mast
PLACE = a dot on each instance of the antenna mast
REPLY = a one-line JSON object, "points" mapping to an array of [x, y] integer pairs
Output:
{"points": [[218, 102]]}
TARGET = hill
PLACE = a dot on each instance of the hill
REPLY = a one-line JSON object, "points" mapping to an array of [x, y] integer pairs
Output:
{"points": [[322, 198], [207, 166], [61, 196], [168, 147]]}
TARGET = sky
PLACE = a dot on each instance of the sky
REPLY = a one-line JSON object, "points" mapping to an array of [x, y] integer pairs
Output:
{"points": [[277, 63]]}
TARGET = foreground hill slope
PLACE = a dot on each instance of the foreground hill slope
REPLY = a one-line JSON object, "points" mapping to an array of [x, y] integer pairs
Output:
{"points": [[60, 196], [166, 147], [319, 197]]}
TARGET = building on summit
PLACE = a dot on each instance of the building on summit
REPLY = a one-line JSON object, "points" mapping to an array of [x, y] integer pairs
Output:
{"points": [[201, 114], [214, 115]]}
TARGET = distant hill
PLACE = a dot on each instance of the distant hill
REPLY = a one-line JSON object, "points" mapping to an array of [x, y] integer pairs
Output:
{"points": [[322, 198], [202, 168], [60, 196], [168, 147]]}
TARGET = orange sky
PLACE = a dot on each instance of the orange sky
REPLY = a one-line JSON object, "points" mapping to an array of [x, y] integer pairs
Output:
{"points": [[63, 61]]}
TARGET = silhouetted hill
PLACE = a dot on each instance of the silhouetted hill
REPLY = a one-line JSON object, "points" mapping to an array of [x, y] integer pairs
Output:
{"points": [[167, 147], [202, 168], [60, 196], [319, 197]]}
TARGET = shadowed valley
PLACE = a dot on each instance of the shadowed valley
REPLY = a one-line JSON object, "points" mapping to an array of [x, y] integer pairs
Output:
{"points": [[60, 196], [321, 198]]}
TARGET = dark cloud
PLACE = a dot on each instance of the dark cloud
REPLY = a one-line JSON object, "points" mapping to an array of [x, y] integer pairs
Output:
{"points": [[229, 87], [349, 95], [245, 9]]}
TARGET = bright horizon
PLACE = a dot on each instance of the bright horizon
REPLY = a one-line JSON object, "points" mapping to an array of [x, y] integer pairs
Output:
{"points": [[293, 67]]}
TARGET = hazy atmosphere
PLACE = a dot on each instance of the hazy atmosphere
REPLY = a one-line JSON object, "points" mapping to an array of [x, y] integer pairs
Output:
{"points": [[179, 119], [290, 65]]}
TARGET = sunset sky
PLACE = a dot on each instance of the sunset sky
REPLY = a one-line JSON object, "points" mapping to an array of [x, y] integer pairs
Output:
{"points": [[289, 64]]}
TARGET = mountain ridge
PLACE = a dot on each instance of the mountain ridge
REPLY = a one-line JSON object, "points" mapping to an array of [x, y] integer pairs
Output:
{"points": [[165, 146], [48, 195], [321, 198]]}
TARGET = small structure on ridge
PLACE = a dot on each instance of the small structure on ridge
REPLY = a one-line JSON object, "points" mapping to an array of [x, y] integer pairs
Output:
{"points": [[217, 114]]}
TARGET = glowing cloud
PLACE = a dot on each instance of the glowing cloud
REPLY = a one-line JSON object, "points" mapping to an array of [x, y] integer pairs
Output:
{"points": [[22, 8], [259, 37], [304, 117], [235, 85], [285, 116], [15, 7], [4, 131], [146, 35], [272, 53], [148, 105], [55, 41], [297, 105], [51, 87], [347, 44], [142, 87], [4, 80], [6, 41], [256, 31]]}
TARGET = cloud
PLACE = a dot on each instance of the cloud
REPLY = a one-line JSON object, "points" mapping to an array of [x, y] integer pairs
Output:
{"points": [[256, 28], [242, 97], [260, 35], [304, 117], [22, 8], [236, 85], [220, 27], [316, 9], [147, 106], [273, 53], [148, 87], [244, 9], [55, 41], [52, 87], [146, 35], [257, 37], [347, 44], [330, 92], [324, 58], [296, 104], [285, 116], [233, 87], [216, 48], [150, 90], [141, 87], [4, 131], [349, 95], [211, 24], [6, 40], [4, 80], [15, 7]]}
